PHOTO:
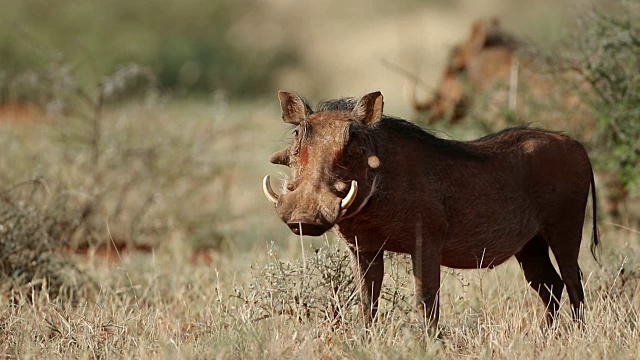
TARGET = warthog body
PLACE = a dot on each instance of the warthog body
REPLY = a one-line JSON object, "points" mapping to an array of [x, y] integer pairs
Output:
{"points": [[387, 185]]}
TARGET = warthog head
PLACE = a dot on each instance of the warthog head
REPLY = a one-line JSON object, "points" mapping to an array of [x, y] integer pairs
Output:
{"points": [[330, 160]]}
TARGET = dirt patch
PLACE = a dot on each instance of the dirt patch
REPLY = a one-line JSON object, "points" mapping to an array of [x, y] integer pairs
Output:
{"points": [[19, 113]]}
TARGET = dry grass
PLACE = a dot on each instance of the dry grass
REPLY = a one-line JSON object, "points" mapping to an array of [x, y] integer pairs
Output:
{"points": [[262, 296], [163, 306]]}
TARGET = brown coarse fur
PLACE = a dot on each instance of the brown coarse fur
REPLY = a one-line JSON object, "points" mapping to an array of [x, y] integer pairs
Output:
{"points": [[520, 192], [493, 73]]}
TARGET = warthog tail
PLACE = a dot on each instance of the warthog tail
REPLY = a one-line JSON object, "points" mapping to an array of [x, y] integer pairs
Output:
{"points": [[595, 240]]}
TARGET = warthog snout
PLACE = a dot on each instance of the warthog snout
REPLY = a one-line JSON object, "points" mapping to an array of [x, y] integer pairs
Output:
{"points": [[307, 228], [294, 208]]}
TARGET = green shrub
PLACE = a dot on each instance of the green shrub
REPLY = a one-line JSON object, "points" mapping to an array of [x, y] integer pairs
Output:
{"points": [[193, 45], [30, 255], [607, 55]]}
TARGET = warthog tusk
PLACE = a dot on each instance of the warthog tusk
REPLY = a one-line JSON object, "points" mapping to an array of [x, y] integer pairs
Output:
{"points": [[364, 201], [351, 196], [268, 191]]}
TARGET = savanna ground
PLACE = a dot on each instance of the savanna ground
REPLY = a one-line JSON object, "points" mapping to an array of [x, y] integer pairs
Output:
{"points": [[138, 229], [263, 293]]}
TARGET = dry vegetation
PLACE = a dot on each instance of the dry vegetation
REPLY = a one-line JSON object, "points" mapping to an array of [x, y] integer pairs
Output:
{"points": [[138, 229], [258, 295]]}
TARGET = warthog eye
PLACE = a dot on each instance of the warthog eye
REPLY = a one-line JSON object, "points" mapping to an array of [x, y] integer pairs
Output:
{"points": [[295, 149], [290, 186], [354, 149]]}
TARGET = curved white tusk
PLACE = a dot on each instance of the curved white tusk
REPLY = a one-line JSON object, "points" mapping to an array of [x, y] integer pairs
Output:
{"points": [[351, 196], [268, 191]]}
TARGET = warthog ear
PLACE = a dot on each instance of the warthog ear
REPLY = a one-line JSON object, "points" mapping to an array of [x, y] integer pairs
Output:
{"points": [[478, 35], [368, 110], [294, 109], [463, 53], [281, 158]]}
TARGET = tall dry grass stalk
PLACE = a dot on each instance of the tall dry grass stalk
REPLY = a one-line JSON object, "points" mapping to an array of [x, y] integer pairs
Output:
{"points": [[163, 306]]}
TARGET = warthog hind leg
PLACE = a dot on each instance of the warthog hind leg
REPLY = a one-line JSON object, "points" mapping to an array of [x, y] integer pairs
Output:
{"points": [[541, 275], [565, 245]]}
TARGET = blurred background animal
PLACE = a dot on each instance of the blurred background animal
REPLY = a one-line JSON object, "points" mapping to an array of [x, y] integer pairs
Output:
{"points": [[496, 79]]}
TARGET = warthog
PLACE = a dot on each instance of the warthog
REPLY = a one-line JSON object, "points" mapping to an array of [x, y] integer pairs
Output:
{"points": [[493, 73], [387, 185]]}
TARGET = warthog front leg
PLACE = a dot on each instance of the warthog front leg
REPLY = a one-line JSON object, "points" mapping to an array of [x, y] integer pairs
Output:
{"points": [[426, 271], [369, 273]]}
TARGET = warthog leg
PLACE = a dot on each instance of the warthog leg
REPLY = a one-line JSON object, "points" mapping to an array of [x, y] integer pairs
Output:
{"points": [[369, 266], [541, 275], [565, 245], [426, 272]]}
